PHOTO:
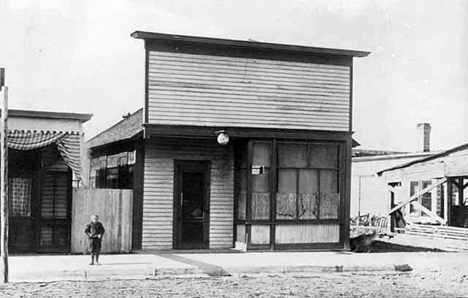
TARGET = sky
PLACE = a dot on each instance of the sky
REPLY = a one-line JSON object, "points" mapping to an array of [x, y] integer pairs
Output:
{"points": [[78, 56]]}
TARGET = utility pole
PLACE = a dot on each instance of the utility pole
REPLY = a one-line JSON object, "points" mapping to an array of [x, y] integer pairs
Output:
{"points": [[4, 179]]}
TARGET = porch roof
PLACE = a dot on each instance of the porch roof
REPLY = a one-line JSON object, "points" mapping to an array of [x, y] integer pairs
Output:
{"points": [[454, 162]]}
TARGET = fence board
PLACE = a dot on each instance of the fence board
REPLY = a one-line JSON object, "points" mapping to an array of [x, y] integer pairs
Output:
{"points": [[114, 207]]}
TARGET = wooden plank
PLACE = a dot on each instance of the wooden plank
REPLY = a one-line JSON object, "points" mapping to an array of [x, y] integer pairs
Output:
{"points": [[114, 207], [307, 233], [417, 195], [430, 213]]}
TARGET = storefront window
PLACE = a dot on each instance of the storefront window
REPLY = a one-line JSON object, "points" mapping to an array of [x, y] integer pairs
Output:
{"points": [[307, 182]]}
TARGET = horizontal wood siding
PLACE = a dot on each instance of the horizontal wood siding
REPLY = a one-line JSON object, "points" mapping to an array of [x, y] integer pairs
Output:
{"points": [[311, 233], [205, 90], [159, 190]]}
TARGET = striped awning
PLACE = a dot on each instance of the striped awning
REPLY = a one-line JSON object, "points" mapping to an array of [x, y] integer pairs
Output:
{"points": [[68, 144]]}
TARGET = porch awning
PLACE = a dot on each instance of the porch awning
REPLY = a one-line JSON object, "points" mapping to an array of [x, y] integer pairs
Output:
{"points": [[68, 144]]}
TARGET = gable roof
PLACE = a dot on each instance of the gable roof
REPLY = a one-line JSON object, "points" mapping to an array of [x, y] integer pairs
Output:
{"points": [[246, 44], [125, 129], [429, 158]]}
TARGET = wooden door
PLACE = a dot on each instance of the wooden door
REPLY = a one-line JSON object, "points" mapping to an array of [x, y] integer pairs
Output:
{"points": [[54, 218], [191, 205]]}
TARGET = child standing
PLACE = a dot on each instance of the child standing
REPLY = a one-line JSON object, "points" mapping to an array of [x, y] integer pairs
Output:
{"points": [[94, 230]]}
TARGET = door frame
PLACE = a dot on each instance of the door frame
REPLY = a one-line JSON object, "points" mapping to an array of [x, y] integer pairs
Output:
{"points": [[181, 166]]}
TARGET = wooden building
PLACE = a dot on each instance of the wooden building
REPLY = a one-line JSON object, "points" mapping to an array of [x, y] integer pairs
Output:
{"points": [[44, 158], [432, 189], [242, 144]]}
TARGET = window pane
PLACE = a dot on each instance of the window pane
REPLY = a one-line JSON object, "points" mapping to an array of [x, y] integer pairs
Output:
{"points": [[308, 208], [413, 189], [292, 155], [308, 181], [286, 198], [20, 196], [261, 182], [260, 206], [286, 206], [328, 181], [287, 181], [261, 195], [308, 193], [329, 196], [261, 154], [242, 199], [324, 156], [426, 199], [242, 157], [329, 205]]}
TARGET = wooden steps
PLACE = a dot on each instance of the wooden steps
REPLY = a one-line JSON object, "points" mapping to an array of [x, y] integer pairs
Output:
{"points": [[437, 232]]}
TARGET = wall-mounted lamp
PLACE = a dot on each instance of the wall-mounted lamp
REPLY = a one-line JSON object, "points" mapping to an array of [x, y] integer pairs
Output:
{"points": [[223, 138]]}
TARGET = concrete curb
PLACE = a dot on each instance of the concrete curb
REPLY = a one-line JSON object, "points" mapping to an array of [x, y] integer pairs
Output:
{"points": [[151, 272], [318, 269]]}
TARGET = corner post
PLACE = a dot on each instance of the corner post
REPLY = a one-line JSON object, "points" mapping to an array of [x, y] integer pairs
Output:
{"points": [[4, 187]]}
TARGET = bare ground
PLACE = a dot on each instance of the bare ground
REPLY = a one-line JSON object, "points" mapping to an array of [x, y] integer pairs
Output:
{"points": [[427, 284]]}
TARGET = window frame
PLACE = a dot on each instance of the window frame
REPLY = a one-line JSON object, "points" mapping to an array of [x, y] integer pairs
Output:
{"points": [[273, 170], [337, 170]]}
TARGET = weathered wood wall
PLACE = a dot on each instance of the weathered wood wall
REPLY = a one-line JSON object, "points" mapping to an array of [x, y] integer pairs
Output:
{"points": [[114, 207], [158, 194], [220, 91]]}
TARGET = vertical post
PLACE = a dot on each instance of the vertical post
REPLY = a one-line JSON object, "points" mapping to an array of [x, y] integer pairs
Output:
{"points": [[448, 202], [4, 187], [460, 193], [391, 224], [359, 204]]}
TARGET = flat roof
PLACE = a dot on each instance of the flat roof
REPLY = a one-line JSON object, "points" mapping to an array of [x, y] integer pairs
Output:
{"points": [[246, 44], [49, 115]]}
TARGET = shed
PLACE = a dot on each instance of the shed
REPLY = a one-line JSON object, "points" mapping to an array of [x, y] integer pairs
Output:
{"points": [[431, 189]]}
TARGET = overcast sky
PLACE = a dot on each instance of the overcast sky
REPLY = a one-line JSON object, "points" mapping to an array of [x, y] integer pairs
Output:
{"points": [[78, 56]]}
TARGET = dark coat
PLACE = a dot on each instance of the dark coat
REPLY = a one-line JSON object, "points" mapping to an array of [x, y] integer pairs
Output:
{"points": [[93, 230]]}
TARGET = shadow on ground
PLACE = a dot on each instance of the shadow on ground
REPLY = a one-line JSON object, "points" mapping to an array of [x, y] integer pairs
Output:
{"points": [[382, 246]]}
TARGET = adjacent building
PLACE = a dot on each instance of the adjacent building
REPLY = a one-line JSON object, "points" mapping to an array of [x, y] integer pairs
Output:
{"points": [[44, 160]]}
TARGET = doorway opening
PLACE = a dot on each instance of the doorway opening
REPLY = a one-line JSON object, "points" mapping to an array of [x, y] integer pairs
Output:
{"points": [[191, 204]]}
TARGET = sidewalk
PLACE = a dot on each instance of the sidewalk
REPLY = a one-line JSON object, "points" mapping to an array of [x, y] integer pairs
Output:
{"points": [[141, 266]]}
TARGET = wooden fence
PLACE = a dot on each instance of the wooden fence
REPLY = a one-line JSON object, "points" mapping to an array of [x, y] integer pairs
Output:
{"points": [[114, 207]]}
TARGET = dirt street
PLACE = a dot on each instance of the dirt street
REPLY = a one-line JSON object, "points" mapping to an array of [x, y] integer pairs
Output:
{"points": [[412, 284]]}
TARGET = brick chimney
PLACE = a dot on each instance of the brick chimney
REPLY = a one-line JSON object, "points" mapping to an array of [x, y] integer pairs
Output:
{"points": [[423, 137]]}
